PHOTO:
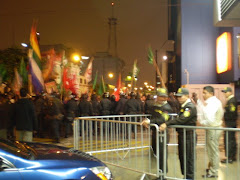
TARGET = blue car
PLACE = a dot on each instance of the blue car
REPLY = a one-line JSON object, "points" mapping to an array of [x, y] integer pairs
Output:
{"points": [[35, 161]]}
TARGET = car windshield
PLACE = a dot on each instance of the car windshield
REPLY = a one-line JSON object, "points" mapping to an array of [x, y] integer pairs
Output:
{"points": [[18, 149]]}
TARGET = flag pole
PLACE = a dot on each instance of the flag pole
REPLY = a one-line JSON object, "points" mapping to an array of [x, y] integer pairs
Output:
{"points": [[61, 88], [94, 81], [133, 74], [158, 73], [30, 85]]}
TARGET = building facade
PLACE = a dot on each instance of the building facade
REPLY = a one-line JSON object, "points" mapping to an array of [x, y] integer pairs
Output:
{"points": [[194, 25]]}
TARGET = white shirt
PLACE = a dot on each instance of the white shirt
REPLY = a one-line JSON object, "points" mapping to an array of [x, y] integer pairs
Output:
{"points": [[211, 114]]}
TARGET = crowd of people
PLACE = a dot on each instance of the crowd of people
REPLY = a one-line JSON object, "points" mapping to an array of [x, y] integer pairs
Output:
{"points": [[49, 115], [46, 115]]}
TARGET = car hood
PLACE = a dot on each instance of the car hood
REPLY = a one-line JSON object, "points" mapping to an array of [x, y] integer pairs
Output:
{"points": [[54, 152]]}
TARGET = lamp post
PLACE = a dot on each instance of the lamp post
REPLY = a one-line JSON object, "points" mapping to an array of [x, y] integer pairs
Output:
{"points": [[163, 66], [110, 75]]}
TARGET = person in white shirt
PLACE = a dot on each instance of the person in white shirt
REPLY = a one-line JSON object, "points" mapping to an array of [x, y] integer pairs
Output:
{"points": [[211, 115]]}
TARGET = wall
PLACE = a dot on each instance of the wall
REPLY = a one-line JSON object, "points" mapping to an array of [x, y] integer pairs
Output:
{"points": [[198, 89], [198, 42], [236, 51]]}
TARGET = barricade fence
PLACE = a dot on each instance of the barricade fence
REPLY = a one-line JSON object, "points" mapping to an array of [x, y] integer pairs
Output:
{"points": [[200, 152], [120, 141]]}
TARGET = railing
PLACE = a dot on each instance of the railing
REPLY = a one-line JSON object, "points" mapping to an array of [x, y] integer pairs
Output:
{"points": [[120, 141], [200, 153]]}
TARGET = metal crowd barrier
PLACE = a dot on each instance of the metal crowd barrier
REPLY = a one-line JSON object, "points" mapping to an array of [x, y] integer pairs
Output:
{"points": [[225, 171], [119, 141]]}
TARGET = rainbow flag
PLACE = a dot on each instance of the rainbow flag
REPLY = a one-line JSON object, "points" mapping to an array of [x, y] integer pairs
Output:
{"points": [[35, 61]]}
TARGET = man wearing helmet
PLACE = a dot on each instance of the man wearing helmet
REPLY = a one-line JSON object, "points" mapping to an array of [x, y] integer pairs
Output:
{"points": [[160, 114]]}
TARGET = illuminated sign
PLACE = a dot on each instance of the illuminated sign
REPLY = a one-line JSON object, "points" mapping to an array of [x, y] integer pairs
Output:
{"points": [[224, 53]]}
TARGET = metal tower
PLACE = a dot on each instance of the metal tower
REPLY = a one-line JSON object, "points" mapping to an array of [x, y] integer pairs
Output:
{"points": [[112, 36]]}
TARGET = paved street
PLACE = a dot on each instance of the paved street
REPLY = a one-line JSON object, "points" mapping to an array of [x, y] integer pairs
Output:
{"points": [[140, 158]]}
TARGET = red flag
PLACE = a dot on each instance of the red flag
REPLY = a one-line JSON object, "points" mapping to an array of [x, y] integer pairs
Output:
{"points": [[50, 56], [69, 82], [65, 79]]}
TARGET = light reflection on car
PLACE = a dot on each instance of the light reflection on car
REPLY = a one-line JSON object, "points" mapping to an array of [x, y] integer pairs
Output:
{"points": [[25, 161]]}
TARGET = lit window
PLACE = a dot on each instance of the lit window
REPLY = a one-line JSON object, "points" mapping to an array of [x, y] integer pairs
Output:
{"points": [[224, 55]]}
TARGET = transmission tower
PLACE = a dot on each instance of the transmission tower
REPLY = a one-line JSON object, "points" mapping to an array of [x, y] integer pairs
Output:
{"points": [[112, 36]]}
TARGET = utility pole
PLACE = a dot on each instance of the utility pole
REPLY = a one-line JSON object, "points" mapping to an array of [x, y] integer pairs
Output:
{"points": [[112, 37], [157, 76]]}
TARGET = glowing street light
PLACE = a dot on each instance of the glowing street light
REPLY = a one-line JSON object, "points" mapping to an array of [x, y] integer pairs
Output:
{"points": [[110, 75], [145, 83], [24, 44], [165, 57], [76, 57], [129, 78], [85, 57]]}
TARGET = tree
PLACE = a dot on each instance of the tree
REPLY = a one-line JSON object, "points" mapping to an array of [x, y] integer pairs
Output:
{"points": [[10, 58]]}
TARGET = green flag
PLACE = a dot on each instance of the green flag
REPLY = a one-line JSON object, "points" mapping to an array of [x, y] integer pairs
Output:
{"points": [[135, 69], [150, 55], [102, 87], [95, 80], [23, 71]]}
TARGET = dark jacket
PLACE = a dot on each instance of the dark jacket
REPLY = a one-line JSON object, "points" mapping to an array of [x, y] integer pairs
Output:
{"points": [[231, 114], [95, 107], [39, 105], [141, 106], [132, 107], [85, 108], [187, 116], [5, 120], [120, 106], [71, 109], [24, 115], [113, 107], [148, 105], [160, 113], [105, 105]]}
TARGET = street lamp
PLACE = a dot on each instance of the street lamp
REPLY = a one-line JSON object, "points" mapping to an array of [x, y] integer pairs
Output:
{"points": [[76, 57], [167, 45], [85, 57], [24, 44], [165, 57], [110, 75]]}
